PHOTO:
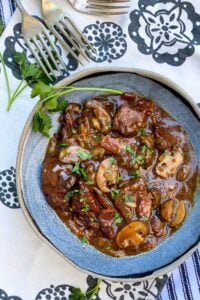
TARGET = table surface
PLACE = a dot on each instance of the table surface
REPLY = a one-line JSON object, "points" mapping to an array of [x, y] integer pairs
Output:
{"points": [[184, 282]]}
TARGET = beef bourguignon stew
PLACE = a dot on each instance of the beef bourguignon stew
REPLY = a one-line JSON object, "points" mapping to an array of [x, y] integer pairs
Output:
{"points": [[120, 173]]}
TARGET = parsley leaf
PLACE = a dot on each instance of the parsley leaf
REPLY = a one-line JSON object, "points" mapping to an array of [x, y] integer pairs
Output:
{"points": [[84, 154], [118, 219], [128, 198], [62, 145], [114, 192], [98, 138], [84, 240], [80, 171], [90, 182], [30, 73], [113, 161], [42, 123], [71, 193], [136, 173], [142, 131], [77, 294]]}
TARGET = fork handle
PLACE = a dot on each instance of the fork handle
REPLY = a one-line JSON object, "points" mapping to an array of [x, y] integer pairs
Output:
{"points": [[20, 6]]}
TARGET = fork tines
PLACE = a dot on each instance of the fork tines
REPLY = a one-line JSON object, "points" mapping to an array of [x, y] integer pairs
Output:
{"points": [[108, 6], [71, 38], [46, 53]]}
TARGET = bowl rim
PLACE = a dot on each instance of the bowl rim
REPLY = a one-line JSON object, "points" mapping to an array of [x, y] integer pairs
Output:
{"points": [[27, 128]]}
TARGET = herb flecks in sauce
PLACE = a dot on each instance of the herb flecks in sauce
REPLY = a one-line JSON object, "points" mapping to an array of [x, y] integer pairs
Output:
{"points": [[126, 186]]}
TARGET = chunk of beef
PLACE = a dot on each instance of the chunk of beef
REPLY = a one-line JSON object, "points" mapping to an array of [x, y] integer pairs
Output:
{"points": [[132, 191], [54, 176], [128, 121], [111, 144], [107, 222], [146, 106], [57, 201], [157, 226], [144, 206], [164, 139]]}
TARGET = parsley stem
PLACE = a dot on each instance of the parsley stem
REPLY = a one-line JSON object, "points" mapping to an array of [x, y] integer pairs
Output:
{"points": [[91, 89], [74, 89], [6, 75], [17, 92]]}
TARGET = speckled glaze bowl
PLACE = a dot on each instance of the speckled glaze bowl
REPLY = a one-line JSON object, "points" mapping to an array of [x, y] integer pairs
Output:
{"points": [[50, 228]]}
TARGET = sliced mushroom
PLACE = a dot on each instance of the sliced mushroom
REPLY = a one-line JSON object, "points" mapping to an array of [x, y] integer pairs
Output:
{"points": [[183, 173], [167, 210], [72, 154], [107, 173], [52, 145], [103, 199], [169, 163], [68, 117], [156, 197], [179, 215], [148, 140], [132, 235], [98, 152], [102, 121]]}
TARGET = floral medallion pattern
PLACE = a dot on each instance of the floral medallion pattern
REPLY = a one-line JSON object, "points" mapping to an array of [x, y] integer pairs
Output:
{"points": [[4, 296], [8, 194], [159, 25], [114, 291], [108, 40]]}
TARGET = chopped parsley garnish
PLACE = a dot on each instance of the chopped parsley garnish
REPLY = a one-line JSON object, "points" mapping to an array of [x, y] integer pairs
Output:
{"points": [[128, 198], [90, 182], [107, 248], [83, 200], [109, 126], [127, 148], [145, 219], [76, 168], [114, 192], [74, 130], [92, 219], [119, 177], [130, 150], [146, 149], [98, 138], [84, 154], [63, 145], [139, 157], [85, 208], [80, 171], [142, 131], [113, 161], [70, 194], [118, 219], [136, 173], [84, 240]]}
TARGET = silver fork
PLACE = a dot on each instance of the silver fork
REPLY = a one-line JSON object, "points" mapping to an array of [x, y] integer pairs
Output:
{"points": [[65, 30], [101, 7], [40, 44]]}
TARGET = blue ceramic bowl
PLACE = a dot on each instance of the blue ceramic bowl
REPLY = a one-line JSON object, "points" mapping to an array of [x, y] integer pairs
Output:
{"points": [[48, 225]]}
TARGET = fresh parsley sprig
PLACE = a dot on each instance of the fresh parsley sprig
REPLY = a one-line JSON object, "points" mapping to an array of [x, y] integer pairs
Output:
{"points": [[49, 101], [49, 96], [77, 294], [30, 73]]}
